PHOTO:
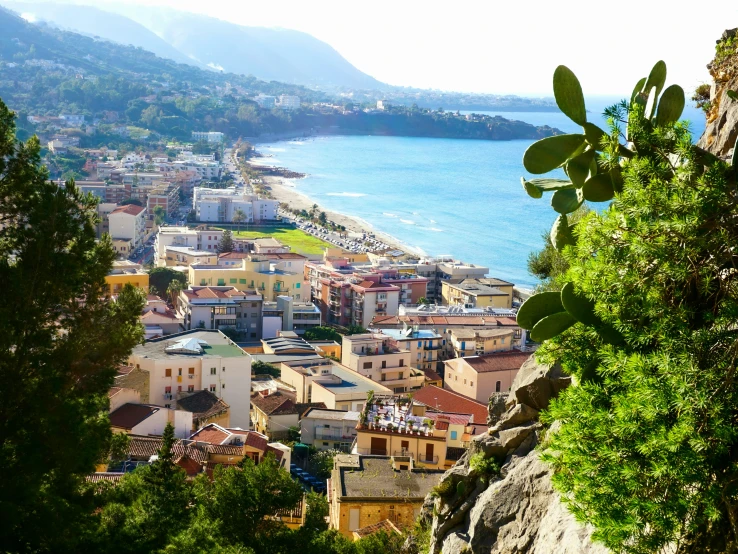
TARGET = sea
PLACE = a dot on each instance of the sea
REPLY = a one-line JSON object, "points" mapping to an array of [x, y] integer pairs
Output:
{"points": [[438, 196]]}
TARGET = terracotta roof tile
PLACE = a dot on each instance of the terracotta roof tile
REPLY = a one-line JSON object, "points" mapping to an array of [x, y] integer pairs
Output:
{"points": [[113, 391], [278, 403], [257, 440], [449, 401], [104, 476], [130, 209], [210, 433], [130, 415], [203, 405], [385, 525], [497, 361]]}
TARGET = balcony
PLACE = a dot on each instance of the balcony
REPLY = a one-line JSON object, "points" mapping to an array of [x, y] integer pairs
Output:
{"points": [[432, 347], [372, 451], [404, 453], [332, 435], [425, 459]]}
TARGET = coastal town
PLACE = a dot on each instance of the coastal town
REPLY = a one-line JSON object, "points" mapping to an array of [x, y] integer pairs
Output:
{"points": [[349, 347]]}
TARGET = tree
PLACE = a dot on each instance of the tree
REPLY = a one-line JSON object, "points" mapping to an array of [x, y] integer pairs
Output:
{"points": [[322, 333], [645, 324], [161, 277], [134, 201], [355, 330], [173, 290], [160, 215], [262, 368], [61, 342], [313, 210], [423, 300], [239, 217], [321, 463], [323, 219], [226, 242]]}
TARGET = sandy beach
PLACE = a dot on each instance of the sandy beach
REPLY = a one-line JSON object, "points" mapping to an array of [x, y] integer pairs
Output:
{"points": [[285, 190]]}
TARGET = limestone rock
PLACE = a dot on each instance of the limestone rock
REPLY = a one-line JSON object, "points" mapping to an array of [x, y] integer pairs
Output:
{"points": [[496, 407], [519, 414], [535, 384]]}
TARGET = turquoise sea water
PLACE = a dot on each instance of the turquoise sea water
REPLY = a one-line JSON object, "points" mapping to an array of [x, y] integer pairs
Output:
{"points": [[437, 196]]}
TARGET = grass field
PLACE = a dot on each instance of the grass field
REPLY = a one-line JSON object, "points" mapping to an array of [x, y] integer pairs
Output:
{"points": [[300, 242]]}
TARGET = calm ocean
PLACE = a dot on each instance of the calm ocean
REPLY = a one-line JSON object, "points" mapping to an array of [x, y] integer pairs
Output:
{"points": [[438, 196]]}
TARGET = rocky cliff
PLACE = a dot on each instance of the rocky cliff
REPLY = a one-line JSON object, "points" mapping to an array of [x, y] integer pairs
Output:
{"points": [[516, 510], [721, 131]]}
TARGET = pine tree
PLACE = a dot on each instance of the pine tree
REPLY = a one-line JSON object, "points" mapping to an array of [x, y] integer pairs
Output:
{"points": [[61, 341], [226, 242]]}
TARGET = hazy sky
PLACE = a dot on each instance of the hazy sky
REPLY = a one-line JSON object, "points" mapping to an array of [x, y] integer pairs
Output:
{"points": [[498, 47]]}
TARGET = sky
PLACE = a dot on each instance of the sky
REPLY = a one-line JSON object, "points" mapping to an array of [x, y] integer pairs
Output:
{"points": [[497, 47]]}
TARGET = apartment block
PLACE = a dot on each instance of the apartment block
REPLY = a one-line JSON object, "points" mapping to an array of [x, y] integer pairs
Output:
{"points": [[381, 359], [185, 256], [129, 223], [202, 238], [208, 136], [221, 205], [478, 293], [329, 429], [479, 376], [196, 360], [125, 272], [221, 308], [424, 345], [477, 342]]}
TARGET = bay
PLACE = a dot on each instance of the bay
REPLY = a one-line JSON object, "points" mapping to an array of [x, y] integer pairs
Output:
{"points": [[437, 196]]}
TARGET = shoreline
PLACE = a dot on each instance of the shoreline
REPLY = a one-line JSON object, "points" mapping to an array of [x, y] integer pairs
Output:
{"points": [[286, 191]]}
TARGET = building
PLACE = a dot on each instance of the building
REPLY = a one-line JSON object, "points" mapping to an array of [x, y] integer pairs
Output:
{"points": [[202, 238], [125, 272], [477, 342], [185, 256], [275, 412], [286, 314], [147, 419], [447, 401], [478, 293], [221, 205], [409, 432], [220, 308], [423, 345], [382, 104], [287, 102], [228, 446], [381, 359], [366, 490], [205, 408], [164, 196], [207, 136], [266, 101], [479, 376], [329, 429], [158, 319], [103, 210], [254, 273], [196, 360], [128, 222], [321, 380]]}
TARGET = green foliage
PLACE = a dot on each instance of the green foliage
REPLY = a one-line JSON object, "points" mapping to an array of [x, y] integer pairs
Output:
{"points": [[645, 447], [61, 342], [537, 307], [226, 242], [134, 201], [160, 215], [355, 330], [551, 325], [568, 94], [263, 368], [161, 278], [321, 463], [549, 153], [323, 333], [484, 466], [445, 489]]}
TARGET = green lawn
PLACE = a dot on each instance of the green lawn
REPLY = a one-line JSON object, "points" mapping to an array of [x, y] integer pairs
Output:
{"points": [[299, 241]]}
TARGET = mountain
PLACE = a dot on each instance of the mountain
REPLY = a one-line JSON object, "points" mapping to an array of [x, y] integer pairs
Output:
{"points": [[269, 54], [94, 22]]}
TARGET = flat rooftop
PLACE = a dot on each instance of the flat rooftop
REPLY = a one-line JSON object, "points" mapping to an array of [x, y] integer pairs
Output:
{"points": [[213, 344], [375, 478], [351, 382], [333, 415], [400, 334]]}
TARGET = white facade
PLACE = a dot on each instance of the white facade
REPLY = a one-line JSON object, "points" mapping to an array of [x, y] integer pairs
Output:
{"points": [[204, 170], [128, 222], [209, 136], [266, 101], [328, 429], [220, 205], [200, 239], [287, 102]]}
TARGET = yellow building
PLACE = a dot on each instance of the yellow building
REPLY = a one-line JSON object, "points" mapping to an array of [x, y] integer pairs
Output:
{"points": [[124, 272], [478, 293], [254, 273], [476, 342], [186, 256], [364, 491]]}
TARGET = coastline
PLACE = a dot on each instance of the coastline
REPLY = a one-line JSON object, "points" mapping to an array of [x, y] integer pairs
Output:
{"points": [[286, 191]]}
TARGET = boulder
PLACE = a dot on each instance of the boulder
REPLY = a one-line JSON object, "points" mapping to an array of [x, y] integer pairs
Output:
{"points": [[518, 415], [536, 384], [496, 407]]}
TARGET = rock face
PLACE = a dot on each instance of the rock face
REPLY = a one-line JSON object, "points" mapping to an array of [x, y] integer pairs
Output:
{"points": [[517, 511], [721, 130]]}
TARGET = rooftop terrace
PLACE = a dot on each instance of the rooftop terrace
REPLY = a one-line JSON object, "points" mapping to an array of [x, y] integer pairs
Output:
{"points": [[212, 344]]}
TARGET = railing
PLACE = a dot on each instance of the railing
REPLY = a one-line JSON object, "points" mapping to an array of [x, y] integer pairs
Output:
{"points": [[437, 347], [403, 454], [425, 459], [333, 435], [372, 451]]}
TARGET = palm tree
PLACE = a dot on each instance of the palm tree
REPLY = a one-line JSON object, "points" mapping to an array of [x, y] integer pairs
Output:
{"points": [[173, 290], [239, 217]]}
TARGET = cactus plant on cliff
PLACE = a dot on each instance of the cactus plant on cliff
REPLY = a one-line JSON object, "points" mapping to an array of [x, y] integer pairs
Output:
{"points": [[647, 449]]}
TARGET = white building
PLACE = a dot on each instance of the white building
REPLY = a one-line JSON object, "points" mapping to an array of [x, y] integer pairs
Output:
{"points": [[128, 222], [220, 205], [209, 136], [329, 429], [201, 239], [147, 419], [197, 360], [203, 169], [266, 101], [287, 102]]}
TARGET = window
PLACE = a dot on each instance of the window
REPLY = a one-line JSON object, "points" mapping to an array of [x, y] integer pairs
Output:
{"points": [[254, 314], [453, 435], [213, 370], [471, 383], [402, 363], [212, 388], [498, 386], [367, 365], [401, 375], [253, 304], [465, 381], [233, 281], [384, 364], [223, 369], [502, 341], [222, 386], [168, 390], [180, 371], [191, 388], [168, 372], [457, 377], [253, 335], [179, 388], [191, 371], [242, 281], [420, 343], [297, 285]]}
